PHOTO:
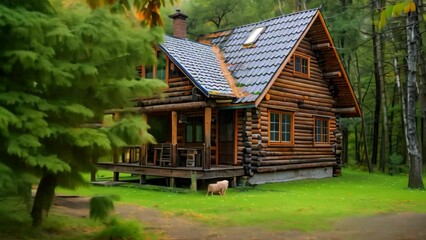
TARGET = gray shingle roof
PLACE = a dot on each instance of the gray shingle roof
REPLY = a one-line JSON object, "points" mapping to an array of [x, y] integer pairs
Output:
{"points": [[254, 67], [200, 64]]}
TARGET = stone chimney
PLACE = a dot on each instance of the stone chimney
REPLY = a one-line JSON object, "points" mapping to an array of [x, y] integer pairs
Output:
{"points": [[179, 24]]}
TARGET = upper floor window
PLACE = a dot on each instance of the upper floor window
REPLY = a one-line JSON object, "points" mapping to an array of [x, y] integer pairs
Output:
{"points": [[301, 65], [157, 71], [281, 125], [174, 71], [321, 131]]}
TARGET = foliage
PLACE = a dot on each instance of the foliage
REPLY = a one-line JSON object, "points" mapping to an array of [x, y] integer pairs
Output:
{"points": [[101, 207], [145, 11], [119, 229], [283, 206], [59, 72], [15, 224], [395, 10], [208, 16]]}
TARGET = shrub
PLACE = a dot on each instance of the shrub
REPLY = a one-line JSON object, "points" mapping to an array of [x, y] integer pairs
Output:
{"points": [[121, 230], [101, 207]]}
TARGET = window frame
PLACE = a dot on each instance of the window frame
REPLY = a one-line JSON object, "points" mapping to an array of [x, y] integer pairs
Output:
{"points": [[301, 73], [280, 132], [322, 119], [254, 34], [142, 69], [193, 121]]}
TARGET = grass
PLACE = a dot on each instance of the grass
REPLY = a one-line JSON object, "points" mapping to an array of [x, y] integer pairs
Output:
{"points": [[15, 224], [302, 205]]}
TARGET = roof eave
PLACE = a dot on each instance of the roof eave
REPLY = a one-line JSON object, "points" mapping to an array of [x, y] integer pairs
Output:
{"points": [[190, 77]]}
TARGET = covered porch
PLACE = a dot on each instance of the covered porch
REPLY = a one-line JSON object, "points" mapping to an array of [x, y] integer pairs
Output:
{"points": [[196, 142]]}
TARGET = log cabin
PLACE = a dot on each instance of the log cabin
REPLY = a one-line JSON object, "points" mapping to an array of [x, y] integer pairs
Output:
{"points": [[263, 100]]}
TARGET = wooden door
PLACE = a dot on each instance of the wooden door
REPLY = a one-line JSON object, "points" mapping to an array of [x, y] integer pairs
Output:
{"points": [[226, 136]]}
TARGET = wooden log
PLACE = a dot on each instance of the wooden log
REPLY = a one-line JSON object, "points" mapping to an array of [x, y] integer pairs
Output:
{"points": [[175, 107], [267, 162], [178, 89], [178, 84], [321, 46], [179, 79], [207, 137], [344, 110], [333, 74], [267, 97], [295, 166], [167, 100]]}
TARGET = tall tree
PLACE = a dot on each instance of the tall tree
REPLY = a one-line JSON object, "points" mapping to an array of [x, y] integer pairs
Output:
{"points": [[377, 75], [61, 69], [415, 175]]}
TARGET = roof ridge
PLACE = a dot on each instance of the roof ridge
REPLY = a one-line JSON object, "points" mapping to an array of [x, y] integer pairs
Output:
{"points": [[265, 20], [186, 40]]}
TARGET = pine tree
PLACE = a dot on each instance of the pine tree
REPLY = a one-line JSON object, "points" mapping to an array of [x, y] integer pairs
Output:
{"points": [[60, 70]]}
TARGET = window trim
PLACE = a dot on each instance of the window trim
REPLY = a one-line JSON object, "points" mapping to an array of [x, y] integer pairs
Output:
{"points": [[302, 56], [255, 34], [193, 120], [328, 130], [280, 142], [142, 68]]}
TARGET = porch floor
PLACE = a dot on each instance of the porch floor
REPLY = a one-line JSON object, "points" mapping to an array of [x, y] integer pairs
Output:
{"points": [[216, 171]]}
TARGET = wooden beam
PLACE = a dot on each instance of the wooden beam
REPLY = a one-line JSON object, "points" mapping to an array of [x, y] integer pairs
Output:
{"points": [[217, 138], [213, 173], [207, 137], [295, 166], [344, 110], [161, 108], [174, 138], [174, 127], [333, 74], [321, 46], [235, 136]]}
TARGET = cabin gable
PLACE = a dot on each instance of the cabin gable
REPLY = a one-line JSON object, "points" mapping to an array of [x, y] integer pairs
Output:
{"points": [[180, 89]]}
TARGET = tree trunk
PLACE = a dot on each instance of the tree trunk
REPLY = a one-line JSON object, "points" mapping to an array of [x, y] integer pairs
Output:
{"points": [[422, 79], [363, 127], [379, 55], [400, 92], [376, 125], [391, 117], [415, 176], [357, 148], [43, 198]]}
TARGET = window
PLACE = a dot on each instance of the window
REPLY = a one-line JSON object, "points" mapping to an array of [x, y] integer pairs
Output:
{"points": [[194, 130], [301, 65], [161, 66], [157, 71], [281, 127], [321, 130], [254, 35], [174, 71]]}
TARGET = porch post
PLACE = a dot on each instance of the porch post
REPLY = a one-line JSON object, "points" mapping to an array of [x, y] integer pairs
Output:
{"points": [[174, 138], [207, 137]]}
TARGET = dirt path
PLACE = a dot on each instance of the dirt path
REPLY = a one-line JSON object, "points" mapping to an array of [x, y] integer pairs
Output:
{"points": [[401, 226]]}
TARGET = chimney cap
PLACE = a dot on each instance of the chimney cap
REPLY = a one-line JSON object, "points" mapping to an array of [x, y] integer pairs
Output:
{"points": [[178, 14]]}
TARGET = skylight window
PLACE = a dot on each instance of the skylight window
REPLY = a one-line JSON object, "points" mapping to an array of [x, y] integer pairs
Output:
{"points": [[254, 35]]}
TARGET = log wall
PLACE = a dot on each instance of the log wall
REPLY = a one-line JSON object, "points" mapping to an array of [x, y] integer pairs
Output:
{"points": [[306, 97], [180, 90]]}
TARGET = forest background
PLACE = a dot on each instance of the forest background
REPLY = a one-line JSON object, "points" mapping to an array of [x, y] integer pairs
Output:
{"points": [[371, 37]]}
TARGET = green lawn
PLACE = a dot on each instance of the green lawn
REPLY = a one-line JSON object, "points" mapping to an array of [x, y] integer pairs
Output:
{"points": [[15, 224], [303, 205]]}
